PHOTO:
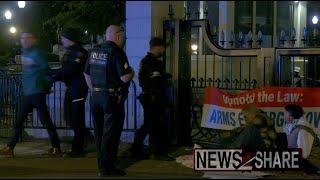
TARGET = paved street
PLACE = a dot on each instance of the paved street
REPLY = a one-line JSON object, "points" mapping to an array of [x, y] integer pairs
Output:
{"points": [[29, 163]]}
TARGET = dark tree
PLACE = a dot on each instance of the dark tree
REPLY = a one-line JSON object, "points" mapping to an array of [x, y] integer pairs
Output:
{"points": [[90, 16], [50, 17]]}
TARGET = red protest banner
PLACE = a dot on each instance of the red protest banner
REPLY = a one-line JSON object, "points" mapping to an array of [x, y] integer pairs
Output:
{"points": [[223, 111], [264, 97]]}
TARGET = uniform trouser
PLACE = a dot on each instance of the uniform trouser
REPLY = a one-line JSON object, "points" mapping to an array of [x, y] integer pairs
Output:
{"points": [[37, 101], [154, 125], [74, 111], [108, 115]]}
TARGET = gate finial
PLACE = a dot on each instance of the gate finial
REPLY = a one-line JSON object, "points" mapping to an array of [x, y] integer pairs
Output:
{"points": [[187, 12], [240, 39], [293, 36], [282, 37], [222, 37], [205, 9], [170, 11], [232, 37], [259, 38], [249, 39], [304, 36]]}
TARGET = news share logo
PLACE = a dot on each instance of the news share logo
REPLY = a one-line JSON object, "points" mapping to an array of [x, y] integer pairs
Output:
{"points": [[239, 160]]}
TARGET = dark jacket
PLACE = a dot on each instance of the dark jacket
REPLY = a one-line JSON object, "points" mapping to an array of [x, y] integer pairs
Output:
{"points": [[152, 75], [73, 65]]}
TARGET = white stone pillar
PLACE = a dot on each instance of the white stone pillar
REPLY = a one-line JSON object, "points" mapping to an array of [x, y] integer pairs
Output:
{"points": [[160, 10], [275, 37], [254, 17], [144, 19], [202, 9], [300, 20], [226, 19], [138, 33]]}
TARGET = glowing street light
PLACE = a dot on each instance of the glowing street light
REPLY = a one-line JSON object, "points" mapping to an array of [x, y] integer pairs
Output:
{"points": [[315, 20], [21, 4], [86, 32], [12, 30], [8, 14], [194, 47]]}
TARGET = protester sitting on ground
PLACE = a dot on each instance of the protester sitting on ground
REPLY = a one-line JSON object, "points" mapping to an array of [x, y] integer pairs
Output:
{"points": [[300, 134], [258, 132]]}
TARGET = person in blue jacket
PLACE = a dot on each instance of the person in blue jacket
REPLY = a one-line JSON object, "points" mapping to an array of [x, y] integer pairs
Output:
{"points": [[36, 83]]}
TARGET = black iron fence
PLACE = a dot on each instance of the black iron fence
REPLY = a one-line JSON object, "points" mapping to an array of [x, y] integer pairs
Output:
{"points": [[198, 85], [209, 68], [299, 70], [10, 99], [10, 91], [201, 60]]}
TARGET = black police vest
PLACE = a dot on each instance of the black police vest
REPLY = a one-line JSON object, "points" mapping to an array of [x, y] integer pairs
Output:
{"points": [[99, 63], [69, 58]]}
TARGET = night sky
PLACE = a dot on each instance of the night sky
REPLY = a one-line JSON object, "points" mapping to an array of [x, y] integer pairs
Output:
{"points": [[20, 17]]}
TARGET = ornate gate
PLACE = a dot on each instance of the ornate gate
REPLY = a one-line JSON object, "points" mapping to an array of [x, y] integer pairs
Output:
{"points": [[197, 59]]}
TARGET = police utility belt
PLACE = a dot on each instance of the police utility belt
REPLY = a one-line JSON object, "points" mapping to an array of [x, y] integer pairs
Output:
{"points": [[109, 90]]}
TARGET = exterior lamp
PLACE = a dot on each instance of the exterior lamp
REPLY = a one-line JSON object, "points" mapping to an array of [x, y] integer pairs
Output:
{"points": [[8, 14], [21, 4], [315, 20], [12, 30]]}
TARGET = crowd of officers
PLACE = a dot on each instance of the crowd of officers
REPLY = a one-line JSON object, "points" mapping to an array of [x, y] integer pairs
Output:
{"points": [[105, 73]]}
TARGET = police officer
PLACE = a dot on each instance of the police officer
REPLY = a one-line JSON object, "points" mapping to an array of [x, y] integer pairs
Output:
{"points": [[108, 75], [36, 83], [71, 73], [152, 79]]}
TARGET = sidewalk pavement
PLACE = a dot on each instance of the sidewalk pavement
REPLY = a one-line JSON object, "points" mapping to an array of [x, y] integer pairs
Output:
{"points": [[30, 164]]}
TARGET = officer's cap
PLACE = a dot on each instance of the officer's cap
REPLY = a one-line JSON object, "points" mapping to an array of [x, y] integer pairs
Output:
{"points": [[156, 41], [71, 34]]}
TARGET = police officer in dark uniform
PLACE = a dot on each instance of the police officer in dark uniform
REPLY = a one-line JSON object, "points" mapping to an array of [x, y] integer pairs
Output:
{"points": [[153, 80], [71, 73], [108, 75]]}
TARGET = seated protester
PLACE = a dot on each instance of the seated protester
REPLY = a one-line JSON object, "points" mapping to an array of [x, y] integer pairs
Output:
{"points": [[300, 135], [257, 133], [280, 139]]}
